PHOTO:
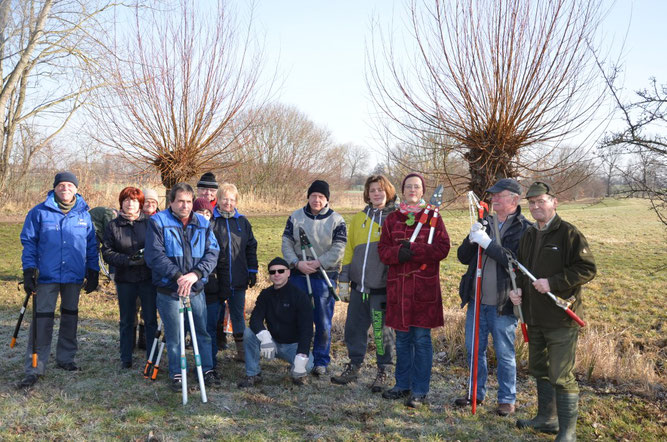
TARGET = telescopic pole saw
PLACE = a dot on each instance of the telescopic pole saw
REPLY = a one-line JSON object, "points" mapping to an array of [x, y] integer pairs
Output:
{"points": [[480, 209]]}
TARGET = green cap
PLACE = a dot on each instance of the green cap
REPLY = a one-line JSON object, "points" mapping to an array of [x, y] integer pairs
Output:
{"points": [[539, 188]]}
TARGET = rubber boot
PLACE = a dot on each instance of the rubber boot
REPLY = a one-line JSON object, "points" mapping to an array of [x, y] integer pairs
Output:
{"points": [[568, 410], [240, 351], [546, 420]]}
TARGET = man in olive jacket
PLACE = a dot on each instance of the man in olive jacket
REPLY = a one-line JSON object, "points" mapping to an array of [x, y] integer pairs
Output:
{"points": [[557, 254]]}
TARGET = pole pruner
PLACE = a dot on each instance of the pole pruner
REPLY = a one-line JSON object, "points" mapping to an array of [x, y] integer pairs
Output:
{"points": [[305, 243]]}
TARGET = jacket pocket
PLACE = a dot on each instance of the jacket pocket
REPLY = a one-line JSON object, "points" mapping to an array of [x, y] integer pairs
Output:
{"points": [[426, 288]]}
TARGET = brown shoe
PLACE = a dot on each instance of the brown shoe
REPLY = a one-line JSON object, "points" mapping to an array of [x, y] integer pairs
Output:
{"points": [[505, 409]]}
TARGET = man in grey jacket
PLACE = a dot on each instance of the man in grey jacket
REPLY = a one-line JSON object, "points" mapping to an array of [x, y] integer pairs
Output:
{"points": [[327, 233]]}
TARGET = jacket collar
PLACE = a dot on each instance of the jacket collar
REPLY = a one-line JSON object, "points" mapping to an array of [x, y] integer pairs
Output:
{"points": [[80, 204], [325, 212], [122, 221]]}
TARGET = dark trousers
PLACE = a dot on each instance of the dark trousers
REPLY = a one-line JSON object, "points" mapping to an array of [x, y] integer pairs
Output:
{"points": [[362, 314], [128, 293], [45, 299], [551, 356]]}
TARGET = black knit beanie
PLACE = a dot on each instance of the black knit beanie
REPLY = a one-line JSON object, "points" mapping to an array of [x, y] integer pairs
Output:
{"points": [[277, 261], [208, 181], [67, 177], [319, 186]]}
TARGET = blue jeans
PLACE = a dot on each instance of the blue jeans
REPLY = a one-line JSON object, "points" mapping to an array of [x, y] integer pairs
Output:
{"points": [[127, 306], [286, 352], [414, 360], [168, 307], [322, 315], [502, 329], [236, 304]]}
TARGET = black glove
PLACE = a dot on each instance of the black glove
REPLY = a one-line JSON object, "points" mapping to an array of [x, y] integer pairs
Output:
{"points": [[92, 279], [404, 253], [252, 280], [30, 280], [134, 261]]}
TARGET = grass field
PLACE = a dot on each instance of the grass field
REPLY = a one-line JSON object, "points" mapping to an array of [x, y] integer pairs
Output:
{"points": [[621, 361]]}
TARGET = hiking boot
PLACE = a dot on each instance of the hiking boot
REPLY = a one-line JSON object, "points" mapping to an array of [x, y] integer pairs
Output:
{"points": [[464, 402], [319, 370], [416, 401], [250, 381], [126, 364], [546, 420], [69, 366], [299, 381], [505, 409], [211, 378], [380, 381], [176, 384], [28, 381], [349, 374], [395, 393]]}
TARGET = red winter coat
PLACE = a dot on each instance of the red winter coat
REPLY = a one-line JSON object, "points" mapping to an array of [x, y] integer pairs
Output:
{"points": [[413, 295]]}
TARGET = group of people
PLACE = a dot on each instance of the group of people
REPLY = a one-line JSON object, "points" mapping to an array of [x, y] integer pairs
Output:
{"points": [[202, 248]]}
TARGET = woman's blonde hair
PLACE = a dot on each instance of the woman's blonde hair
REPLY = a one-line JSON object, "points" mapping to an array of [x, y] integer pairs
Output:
{"points": [[227, 188]]}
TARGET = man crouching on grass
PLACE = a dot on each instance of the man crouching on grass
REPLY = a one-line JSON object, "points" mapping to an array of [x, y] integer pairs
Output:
{"points": [[288, 314]]}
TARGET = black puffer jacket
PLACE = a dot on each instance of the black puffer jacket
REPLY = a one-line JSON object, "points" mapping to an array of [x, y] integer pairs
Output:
{"points": [[122, 239], [467, 254], [238, 255]]}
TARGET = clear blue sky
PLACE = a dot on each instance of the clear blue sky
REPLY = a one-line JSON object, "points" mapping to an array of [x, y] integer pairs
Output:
{"points": [[321, 45]]}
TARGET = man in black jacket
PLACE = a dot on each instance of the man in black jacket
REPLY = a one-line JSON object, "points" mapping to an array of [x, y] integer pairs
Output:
{"points": [[288, 315], [496, 313]]}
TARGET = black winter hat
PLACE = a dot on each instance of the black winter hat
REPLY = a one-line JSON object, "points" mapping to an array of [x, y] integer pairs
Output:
{"points": [[208, 181], [277, 261], [319, 186], [66, 176]]}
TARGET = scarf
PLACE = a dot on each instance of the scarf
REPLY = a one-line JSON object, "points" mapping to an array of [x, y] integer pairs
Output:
{"points": [[129, 217], [225, 214], [411, 210], [65, 207]]}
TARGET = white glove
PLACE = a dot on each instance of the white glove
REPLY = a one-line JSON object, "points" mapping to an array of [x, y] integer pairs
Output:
{"points": [[475, 227], [300, 361], [480, 237], [267, 347], [344, 291]]}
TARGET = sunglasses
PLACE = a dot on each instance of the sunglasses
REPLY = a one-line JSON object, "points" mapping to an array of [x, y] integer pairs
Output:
{"points": [[273, 272]]}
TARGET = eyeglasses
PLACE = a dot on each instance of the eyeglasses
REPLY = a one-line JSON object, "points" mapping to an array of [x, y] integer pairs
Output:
{"points": [[273, 272], [413, 186]]}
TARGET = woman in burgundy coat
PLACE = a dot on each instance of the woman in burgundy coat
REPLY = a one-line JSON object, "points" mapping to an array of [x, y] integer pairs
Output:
{"points": [[414, 300]]}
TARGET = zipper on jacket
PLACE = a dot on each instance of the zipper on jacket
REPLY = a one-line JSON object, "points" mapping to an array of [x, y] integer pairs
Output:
{"points": [[368, 241], [229, 237]]}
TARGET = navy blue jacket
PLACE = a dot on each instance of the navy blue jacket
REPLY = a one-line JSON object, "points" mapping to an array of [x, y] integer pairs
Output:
{"points": [[238, 254], [172, 250], [61, 246]]}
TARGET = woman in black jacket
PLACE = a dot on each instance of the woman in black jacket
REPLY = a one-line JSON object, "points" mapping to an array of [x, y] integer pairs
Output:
{"points": [[237, 266], [123, 248]]}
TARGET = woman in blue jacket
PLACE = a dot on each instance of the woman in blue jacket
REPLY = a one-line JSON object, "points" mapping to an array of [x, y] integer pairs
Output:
{"points": [[237, 266]]}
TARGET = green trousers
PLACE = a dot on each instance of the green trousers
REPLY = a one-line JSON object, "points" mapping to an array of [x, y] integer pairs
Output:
{"points": [[551, 356]]}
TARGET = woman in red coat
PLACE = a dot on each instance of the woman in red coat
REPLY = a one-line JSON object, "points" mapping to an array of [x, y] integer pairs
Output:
{"points": [[414, 301]]}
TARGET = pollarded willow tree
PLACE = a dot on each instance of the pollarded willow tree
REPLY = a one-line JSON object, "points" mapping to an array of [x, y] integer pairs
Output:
{"points": [[495, 78], [175, 87]]}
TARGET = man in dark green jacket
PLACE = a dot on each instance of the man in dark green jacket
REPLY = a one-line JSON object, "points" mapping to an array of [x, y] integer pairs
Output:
{"points": [[557, 254]]}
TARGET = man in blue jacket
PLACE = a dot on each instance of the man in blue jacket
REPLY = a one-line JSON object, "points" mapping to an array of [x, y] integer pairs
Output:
{"points": [[59, 250], [182, 251]]}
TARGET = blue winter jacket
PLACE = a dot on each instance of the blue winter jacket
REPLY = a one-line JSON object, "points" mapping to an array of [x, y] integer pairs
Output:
{"points": [[61, 246], [172, 251]]}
